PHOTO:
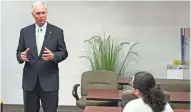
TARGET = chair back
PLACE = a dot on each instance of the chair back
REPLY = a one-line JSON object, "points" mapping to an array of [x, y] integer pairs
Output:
{"points": [[98, 80], [174, 85]]}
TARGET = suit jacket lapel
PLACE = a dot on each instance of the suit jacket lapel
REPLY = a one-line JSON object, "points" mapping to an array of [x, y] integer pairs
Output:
{"points": [[33, 39], [47, 37]]}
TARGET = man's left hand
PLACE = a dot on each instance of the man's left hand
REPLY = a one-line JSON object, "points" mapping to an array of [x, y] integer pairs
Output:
{"points": [[47, 54]]}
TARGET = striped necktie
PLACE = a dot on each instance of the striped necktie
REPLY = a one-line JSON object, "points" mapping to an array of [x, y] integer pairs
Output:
{"points": [[39, 39]]}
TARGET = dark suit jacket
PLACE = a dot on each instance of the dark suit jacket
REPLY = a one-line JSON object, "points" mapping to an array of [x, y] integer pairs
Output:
{"points": [[47, 71]]}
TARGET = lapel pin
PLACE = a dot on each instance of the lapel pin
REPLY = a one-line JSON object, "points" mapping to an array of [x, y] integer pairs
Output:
{"points": [[50, 32]]}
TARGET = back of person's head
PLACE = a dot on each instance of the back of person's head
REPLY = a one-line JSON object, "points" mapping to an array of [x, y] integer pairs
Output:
{"points": [[144, 85]]}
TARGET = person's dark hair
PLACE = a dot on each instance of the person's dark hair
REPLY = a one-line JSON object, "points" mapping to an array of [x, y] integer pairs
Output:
{"points": [[151, 93]]}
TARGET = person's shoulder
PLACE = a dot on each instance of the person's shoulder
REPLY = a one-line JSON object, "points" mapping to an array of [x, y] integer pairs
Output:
{"points": [[131, 105], [168, 108], [27, 27], [55, 27], [135, 101]]}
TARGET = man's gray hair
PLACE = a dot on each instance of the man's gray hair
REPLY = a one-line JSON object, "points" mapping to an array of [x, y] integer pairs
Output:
{"points": [[38, 3]]}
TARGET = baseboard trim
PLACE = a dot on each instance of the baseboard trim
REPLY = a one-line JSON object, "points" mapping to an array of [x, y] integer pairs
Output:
{"points": [[21, 107]]}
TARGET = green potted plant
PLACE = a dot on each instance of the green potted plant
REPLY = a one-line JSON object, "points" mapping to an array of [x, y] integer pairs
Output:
{"points": [[105, 54]]}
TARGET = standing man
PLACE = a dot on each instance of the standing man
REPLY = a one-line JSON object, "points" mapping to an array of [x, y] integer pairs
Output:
{"points": [[41, 46]]}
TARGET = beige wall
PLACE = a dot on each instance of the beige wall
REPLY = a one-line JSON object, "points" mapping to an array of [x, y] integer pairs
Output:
{"points": [[156, 25]]}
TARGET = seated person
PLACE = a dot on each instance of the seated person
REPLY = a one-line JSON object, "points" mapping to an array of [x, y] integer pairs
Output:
{"points": [[150, 97]]}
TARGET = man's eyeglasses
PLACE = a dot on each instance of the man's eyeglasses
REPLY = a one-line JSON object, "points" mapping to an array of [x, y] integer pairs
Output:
{"points": [[38, 13]]}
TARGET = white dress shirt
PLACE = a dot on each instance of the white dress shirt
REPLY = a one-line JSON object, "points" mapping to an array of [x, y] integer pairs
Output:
{"points": [[40, 33], [138, 105]]}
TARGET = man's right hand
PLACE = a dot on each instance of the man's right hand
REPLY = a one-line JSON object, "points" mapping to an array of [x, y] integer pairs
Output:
{"points": [[24, 55]]}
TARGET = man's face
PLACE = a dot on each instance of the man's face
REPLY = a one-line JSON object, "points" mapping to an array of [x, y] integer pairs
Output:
{"points": [[40, 14]]}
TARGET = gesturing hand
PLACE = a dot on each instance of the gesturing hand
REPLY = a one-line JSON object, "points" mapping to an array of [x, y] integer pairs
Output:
{"points": [[24, 55], [47, 54]]}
